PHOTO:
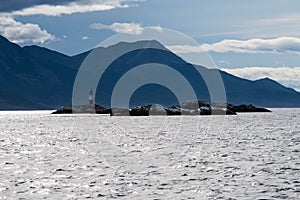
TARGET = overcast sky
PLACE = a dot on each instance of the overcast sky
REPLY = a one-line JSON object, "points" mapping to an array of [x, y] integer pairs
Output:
{"points": [[252, 39]]}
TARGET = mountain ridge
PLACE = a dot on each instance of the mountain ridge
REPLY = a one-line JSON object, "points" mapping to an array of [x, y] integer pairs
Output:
{"points": [[34, 77]]}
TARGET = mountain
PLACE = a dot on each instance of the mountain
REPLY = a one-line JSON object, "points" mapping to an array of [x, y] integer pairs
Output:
{"points": [[263, 92], [33, 77]]}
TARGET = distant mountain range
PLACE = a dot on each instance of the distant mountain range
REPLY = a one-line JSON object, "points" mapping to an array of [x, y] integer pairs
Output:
{"points": [[33, 77]]}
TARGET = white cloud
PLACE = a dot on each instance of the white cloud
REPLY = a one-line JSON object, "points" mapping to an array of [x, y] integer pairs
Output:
{"points": [[185, 49], [81, 6], [128, 28], [288, 76], [85, 37], [18, 32], [276, 45], [276, 26], [288, 19]]}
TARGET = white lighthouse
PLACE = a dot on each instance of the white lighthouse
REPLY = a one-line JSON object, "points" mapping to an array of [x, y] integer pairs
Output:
{"points": [[91, 97]]}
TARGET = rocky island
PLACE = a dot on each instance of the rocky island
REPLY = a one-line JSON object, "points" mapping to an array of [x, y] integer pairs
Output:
{"points": [[188, 108], [203, 108]]}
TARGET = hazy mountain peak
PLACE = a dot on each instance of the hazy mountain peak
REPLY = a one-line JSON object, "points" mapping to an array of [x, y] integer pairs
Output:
{"points": [[265, 79], [140, 44]]}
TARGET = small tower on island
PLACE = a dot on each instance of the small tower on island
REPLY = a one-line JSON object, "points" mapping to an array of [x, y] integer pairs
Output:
{"points": [[91, 97]]}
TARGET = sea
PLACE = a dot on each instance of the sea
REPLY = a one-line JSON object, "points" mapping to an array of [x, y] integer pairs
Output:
{"points": [[247, 156]]}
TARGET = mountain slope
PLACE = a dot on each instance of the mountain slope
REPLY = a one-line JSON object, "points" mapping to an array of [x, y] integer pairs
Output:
{"points": [[38, 78], [263, 92], [33, 79]]}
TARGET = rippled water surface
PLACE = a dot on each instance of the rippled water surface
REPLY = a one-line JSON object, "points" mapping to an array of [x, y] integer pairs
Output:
{"points": [[249, 156]]}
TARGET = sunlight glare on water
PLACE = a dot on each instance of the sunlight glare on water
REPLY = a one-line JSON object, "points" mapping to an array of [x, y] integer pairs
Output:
{"points": [[248, 156]]}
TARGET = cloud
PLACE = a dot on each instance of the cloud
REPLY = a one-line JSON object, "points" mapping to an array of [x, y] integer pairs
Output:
{"points": [[79, 6], [287, 19], [128, 28], [9, 5], [288, 25], [285, 25], [18, 32], [85, 37], [276, 45], [288, 76]]}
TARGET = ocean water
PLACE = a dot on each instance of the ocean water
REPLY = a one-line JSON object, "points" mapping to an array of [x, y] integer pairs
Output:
{"points": [[248, 156]]}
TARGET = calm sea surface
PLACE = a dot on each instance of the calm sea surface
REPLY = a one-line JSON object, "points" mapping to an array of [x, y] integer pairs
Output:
{"points": [[249, 156]]}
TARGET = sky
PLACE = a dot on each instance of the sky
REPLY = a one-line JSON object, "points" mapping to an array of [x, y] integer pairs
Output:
{"points": [[251, 39]]}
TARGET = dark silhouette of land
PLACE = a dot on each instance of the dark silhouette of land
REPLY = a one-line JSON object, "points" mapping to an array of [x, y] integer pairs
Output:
{"points": [[36, 78], [198, 108]]}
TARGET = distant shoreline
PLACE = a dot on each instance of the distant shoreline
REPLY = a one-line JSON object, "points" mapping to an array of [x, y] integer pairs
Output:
{"points": [[190, 108], [52, 110]]}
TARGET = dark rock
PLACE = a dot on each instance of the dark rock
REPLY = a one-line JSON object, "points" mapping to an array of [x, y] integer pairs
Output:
{"points": [[82, 109], [246, 108], [198, 108], [140, 111]]}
